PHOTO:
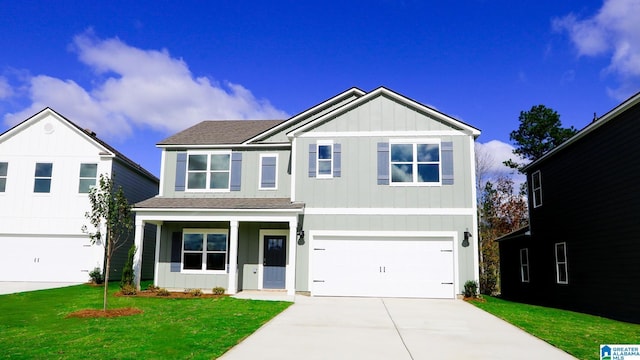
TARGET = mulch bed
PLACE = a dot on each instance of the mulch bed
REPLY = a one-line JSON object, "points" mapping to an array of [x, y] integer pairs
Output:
{"points": [[172, 295], [476, 299], [110, 313]]}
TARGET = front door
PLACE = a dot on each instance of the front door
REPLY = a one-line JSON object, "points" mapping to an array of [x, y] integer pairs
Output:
{"points": [[275, 260]]}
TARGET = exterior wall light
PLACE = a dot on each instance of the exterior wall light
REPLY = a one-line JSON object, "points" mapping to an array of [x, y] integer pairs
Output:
{"points": [[465, 239]]}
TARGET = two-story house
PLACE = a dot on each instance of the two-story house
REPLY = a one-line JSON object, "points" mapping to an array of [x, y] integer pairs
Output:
{"points": [[364, 194], [48, 164], [582, 247]]}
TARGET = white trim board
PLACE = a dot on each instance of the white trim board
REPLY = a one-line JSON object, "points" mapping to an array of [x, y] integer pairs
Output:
{"points": [[390, 211]]}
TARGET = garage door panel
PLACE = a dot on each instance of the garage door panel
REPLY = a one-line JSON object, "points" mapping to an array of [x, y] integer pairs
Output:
{"points": [[384, 267]]}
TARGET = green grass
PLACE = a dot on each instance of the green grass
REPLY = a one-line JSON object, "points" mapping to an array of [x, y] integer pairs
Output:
{"points": [[578, 334], [33, 325]]}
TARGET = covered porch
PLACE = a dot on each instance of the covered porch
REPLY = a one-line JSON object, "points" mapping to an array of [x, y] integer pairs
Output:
{"points": [[236, 244]]}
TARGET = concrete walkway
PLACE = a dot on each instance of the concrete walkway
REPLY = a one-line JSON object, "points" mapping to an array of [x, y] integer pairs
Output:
{"points": [[11, 287], [398, 329]]}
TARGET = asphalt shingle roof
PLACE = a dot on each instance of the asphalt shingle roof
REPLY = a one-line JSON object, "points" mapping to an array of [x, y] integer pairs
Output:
{"points": [[220, 132], [218, 203]]}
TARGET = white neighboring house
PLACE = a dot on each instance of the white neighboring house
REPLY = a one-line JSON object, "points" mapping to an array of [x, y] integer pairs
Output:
{"points": [[47, 166]]}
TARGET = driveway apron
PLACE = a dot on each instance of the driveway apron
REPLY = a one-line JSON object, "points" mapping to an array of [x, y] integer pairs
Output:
{"points": [[374, 328]]}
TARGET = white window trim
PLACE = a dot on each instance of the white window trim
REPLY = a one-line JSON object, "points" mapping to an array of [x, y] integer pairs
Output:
{"points": [[208, 171], [262, 156], [80, 178], [537, 174], [524, 266], [42, 177], [415, 143], [204, 252], [558, 263], [318, 144]]}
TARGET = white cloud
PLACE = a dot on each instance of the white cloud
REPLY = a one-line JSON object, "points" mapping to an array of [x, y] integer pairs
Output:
{"points": [[5, 88], [139, 88], [491, 157], [614, 31]]}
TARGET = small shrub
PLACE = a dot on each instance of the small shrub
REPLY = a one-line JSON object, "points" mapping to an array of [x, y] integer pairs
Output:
{"points": [[152, 288], [96, 276], [129, 290], [471, 289], [127, 270], [195, 292], [218, 290], [163, 292]]}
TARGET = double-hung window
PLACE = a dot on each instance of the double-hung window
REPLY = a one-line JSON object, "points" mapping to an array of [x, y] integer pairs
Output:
{"points": [[4, 167], [562, 276], [536, 187], [415, 163], [268, 171], [88, 176], [209, 171], [42, 181], [325, 159], [524, 265], [204, 250]]}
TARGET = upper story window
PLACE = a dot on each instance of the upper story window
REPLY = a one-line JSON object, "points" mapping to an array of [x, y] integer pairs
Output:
{"points": [[204, 250], [88, 176], [325, 159], [4, 167], [268, 172], [536, 187], [524, 265], [562, 276], [42, 182], [415, 163], [210, 171]]}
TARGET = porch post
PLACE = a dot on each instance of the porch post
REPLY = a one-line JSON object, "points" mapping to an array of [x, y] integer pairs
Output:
{"points": [[290, 281], [137, 257], [156, 260], [233, 256]]}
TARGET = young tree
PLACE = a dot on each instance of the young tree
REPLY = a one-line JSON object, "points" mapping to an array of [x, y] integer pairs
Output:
{"points": [[540, 131], [111, 213]]}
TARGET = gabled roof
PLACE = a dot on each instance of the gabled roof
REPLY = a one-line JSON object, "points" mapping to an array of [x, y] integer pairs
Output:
{"points": [[85, 133], [400, 98], [609, 116], [522, 233], [219, 203], [220, 132]]}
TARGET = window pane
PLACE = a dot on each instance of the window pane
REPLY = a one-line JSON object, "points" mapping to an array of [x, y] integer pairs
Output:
{"points": [[43, 169], [197, 162], [192, 261], [3, 184], [402, 152], [401, 173], [428, 173], [88, 170], [216, 242], [523, 256], [193, 242], [197, 181], [85, 185], [42, 185], [562, 272], [219, 180], [324, 167], [324, 152], [3, 168], [220, 162], [560, 253], [216, 261], [428, 152]]}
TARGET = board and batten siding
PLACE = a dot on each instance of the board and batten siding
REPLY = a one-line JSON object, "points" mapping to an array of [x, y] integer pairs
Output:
{"points": [[249, 179]]}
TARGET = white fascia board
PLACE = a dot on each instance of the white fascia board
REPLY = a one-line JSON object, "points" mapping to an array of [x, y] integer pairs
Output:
{"points": [[227, 146], [390, 211], [165, 216], [404, 134], [309, 112], [383, 91], [377, 234]]}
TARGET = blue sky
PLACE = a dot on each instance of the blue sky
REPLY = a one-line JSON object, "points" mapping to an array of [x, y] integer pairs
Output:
{"points": [[137, 72]]}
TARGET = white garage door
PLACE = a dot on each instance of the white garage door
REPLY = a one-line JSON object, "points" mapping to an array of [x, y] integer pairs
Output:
{"points": [[58, 259], [383, 267]]}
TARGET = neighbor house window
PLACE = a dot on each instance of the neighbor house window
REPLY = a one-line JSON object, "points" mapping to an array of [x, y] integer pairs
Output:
{"points": [[325, 159], [415, 163], [4, 167], [42, 182], [536, 186], [209, 171], [88, 176], [204, 250], [561, 263], [268, 171], [524, 265]]}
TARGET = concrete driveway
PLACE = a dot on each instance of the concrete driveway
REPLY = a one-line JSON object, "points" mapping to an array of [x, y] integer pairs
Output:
{"points": [[11, 287], [373, 328]]}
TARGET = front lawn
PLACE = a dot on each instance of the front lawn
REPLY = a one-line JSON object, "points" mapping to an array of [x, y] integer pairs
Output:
{"points": [[578, 334], [33, 325]]}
